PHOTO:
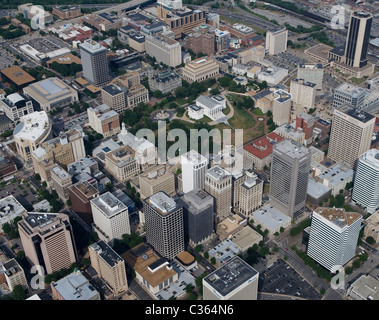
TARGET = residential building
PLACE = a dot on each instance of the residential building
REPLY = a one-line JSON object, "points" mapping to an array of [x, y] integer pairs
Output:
{"points": [[281, 109], [114, 97], [333, 236], [276, 40], [200, 69], [109, 266], [311, 72], [104, 120], [65, 13], [31, 132], [198, 216], [303, 93], [218, 183], [164, 224], [289, 177], [48, 240], [122, 164], [95, 62], [194, 166], [235, 280], [15, 106], [75, 287], [14, 274], [110, 217], [164, 49], [350, 134], [61, 180], [165, 82], [157, 179], [366, 181], [50, 94], [152, 271]]}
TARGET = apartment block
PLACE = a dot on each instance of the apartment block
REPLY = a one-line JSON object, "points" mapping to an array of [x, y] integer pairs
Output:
{"points": [[276, 40], [303, 93]]}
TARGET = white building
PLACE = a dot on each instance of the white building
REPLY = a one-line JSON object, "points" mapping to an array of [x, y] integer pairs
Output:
{"points": [[276, 40], [165, 49], [303, 93], [15, 106], [271, 219], [333, 237], [366, 183], [273, 75], [194, 166], [110, 216], [10, 208], [212, 106], [311, 72], [336, 177], [195, 112]]}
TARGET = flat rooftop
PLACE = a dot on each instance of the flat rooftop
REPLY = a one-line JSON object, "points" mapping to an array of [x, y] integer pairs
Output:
{"points": [[367, 287], [32, 126], [194, 158], [106, 253], [17, 75], [292, 149], [109, 204], [162, 203], [338, 216], [10, 208], [92, 46], [270, 217], [230, 276], [217, 173], [197, 200], [87, 189]]}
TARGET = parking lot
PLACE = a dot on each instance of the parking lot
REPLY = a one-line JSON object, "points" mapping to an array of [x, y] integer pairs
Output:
{"points": [[286, 60], [22, 192], [281, 278], [6, 59]]}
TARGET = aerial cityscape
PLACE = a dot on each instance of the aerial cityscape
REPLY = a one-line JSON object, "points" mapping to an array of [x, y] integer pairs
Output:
{"points": [[189, 150]]}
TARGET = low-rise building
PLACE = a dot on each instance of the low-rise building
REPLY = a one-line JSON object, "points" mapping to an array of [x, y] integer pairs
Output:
{"points": [[165, 82], [164, 49], [372, 227], [224, 251], [366, 287], [137, 94], [15, 106], [273, 75], [61, 180], [66, 12], [14, 274], [230, 225], [270, 219], [200, 69], [10, 208]]}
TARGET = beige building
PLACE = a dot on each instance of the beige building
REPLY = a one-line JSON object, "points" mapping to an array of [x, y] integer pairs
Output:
{"points": [[114, 97], [61, 180], [200, 69], [230, 225], [51, 93], [128, 79], [372, 227], [48, 240], [165, 49], [31, 132], [281, 109], [152, 272], [14, 274], [109, 266], [121, 163], [249, 195], [303, 93], [137, 94], [104, 120], [67, 148], [350, 135], [246, 238], [157, 179], [276, 40], [218, 183]]}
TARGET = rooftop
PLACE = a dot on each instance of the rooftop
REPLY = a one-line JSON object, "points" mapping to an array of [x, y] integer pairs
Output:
{"points": [[292, 149], [162, 203], [106, 253], [32, 126], [17, 75], [230, 276], [109, 204], [338, 216], [197, 200], [217, 173], [338, 172], [194, 158], [10, 208], [92, 46], [366, 286], [270, 217], [263, 146]]}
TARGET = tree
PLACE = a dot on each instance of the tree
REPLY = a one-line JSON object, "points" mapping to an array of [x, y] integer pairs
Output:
{"points": [[85, 262], [37, 177], [356, 263], [18, 293], [213, 260], [206, 255], [370, 240], [7, 228], [198, 248]]}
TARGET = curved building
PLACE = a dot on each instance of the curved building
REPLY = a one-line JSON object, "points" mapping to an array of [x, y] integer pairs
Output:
{"points": [[366, 183], [31, 132]]}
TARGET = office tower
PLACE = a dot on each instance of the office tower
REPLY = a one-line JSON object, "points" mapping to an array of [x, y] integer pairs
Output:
{"points": [[347, 93], [81, 194], [198, 212], [306, 122], [48, 240], [75, 286], [289, 177], [31, 132], [164, 49], [109, 266], [157, 179], [218, 183], [61, 180], [350, 134], [114, 97], [276, 40], [104, 120], [303, 93], [14, 274], [110, 217], [281, 108], [366, 182], [122, 164], [236, 280], [358, 37], [311, 72], [249, 195], [164, 224], [194, 166], [94, 62], [333, 236]]}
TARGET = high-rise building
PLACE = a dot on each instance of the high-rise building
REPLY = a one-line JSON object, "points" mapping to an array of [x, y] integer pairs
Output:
{"points": [[94, 62], [289, 177], [198, 216], [350, 94], [157, 179], [201, 39], [303, 93], [281, 109], [222, 38], [366, 183], [249, 195], [114, 97], [104, 120], [358, 37], [48, 240], [109, 266], [333, 236], [276, 40], [311, 72], [194, 166], [218, 183], [164, 49], [350, 134], [236, 280], [306, 122], [14, 274], [164, 224], [110, 217]]}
